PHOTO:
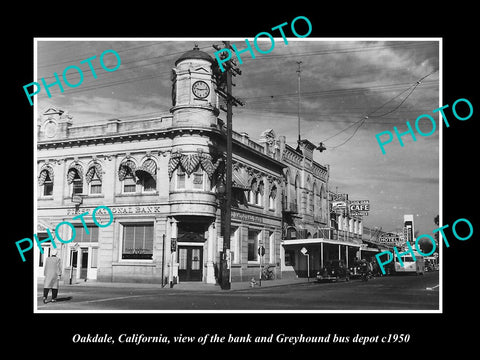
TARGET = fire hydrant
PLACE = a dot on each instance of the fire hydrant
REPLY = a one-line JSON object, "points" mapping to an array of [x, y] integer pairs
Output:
{"points": [[253, 282]]}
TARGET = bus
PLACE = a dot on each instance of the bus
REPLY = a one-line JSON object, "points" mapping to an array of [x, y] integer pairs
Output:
{"points": [[410, 265]]}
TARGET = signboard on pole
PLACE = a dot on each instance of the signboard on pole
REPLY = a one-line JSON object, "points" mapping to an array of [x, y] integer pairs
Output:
{"points": [[359, 207], [261, 250], [389, 239], [361, 213]]}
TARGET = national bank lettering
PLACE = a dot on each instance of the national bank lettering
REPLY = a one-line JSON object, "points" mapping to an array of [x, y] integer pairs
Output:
{"points": [[160, 176]]}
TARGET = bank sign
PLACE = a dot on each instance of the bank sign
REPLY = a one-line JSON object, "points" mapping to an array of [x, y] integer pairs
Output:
{"points": [[359, 207]]}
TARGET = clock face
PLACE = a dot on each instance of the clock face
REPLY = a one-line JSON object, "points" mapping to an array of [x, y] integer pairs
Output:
{"points": [[200, 89]]}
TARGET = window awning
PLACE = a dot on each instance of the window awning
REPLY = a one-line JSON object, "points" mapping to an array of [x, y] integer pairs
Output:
{"points": [[46, 170], [318, 241], [124, 168], [240, 179], [149, 166], [94, 168], [72, 171]]}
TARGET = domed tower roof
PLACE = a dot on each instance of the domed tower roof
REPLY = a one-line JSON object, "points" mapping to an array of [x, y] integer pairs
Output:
{"points": [[194, 54]]}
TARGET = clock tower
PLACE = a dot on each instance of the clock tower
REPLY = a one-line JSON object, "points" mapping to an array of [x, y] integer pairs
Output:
{"points": [[192, 166], [193, 90]]}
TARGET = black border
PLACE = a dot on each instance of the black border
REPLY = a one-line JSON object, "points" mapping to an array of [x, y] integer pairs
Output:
{"points": [[430, 333]]}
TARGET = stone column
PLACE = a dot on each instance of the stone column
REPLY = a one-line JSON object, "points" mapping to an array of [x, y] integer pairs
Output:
{"points": [[173, 264], [210, 278]]}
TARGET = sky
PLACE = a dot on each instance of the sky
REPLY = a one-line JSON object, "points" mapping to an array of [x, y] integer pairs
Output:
{"points": [[350, 90]]}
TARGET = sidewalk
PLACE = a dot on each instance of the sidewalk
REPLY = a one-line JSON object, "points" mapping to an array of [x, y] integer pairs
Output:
{"points": [[194, 285]]}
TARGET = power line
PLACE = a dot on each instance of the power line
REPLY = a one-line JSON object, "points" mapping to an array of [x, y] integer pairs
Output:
{"points": [[362, 121]]}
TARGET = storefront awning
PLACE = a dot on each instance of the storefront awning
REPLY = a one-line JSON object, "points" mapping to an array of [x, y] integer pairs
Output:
{"points": [[318, 241]]}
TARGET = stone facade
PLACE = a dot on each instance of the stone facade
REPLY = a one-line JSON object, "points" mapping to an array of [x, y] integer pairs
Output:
{"points": [[160, 177]]}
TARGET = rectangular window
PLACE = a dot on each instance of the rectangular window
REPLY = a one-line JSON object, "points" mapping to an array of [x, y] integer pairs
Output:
{"points": [[198, 180], [137, 241], [289, 257], [94, 261], [47, 188], [271, 203], [129, 185], [95, 187], [253, 236], [234, 246], [258, 199], [180, 179], [82, 236], [149, 183], [77, 187], [271, 246], [182, 259]]}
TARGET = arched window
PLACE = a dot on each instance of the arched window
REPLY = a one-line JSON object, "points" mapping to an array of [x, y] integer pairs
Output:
{"points": [[308, 197], [259, 194], [252, 193], [147, 175], [322, 203], [271, 197], [74, 178], [315, 200], [45, 179], [287, 191], [126, 174], [94, 178], [298, 195]]}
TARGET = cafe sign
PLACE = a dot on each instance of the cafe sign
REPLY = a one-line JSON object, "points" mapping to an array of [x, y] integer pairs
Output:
{"points": [[359, 207]]}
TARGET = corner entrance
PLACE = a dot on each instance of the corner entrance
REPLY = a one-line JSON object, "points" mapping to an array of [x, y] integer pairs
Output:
{"points": [[190, 260]]}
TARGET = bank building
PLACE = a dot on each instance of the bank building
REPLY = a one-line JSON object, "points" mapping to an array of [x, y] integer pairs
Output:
{"points": [[161, 177]]}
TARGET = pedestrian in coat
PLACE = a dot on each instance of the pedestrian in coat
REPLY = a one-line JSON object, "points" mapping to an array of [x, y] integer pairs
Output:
{"points": [[52, 272]]}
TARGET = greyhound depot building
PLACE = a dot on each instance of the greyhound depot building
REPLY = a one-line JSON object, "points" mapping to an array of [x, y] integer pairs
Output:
{"points": [[161, 178]]}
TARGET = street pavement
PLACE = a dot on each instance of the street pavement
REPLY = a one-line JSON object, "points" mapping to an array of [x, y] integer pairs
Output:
{"points": [[397, 292]]}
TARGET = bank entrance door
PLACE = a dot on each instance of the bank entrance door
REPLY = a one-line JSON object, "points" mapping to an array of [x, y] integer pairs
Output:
{"points": [[190, 260]]}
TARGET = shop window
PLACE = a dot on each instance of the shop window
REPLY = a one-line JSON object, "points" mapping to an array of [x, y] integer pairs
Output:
{"points": [[94, 255], [271, 246], [289, 257], [253, 237], [234, 246], [137, 241]]}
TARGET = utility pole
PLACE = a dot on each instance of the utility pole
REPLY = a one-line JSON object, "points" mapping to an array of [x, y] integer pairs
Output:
{"points": [[222, 79], [299, 70]]}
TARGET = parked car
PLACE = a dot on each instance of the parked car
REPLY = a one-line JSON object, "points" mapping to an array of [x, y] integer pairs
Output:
{"points": [[334, 270]]}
